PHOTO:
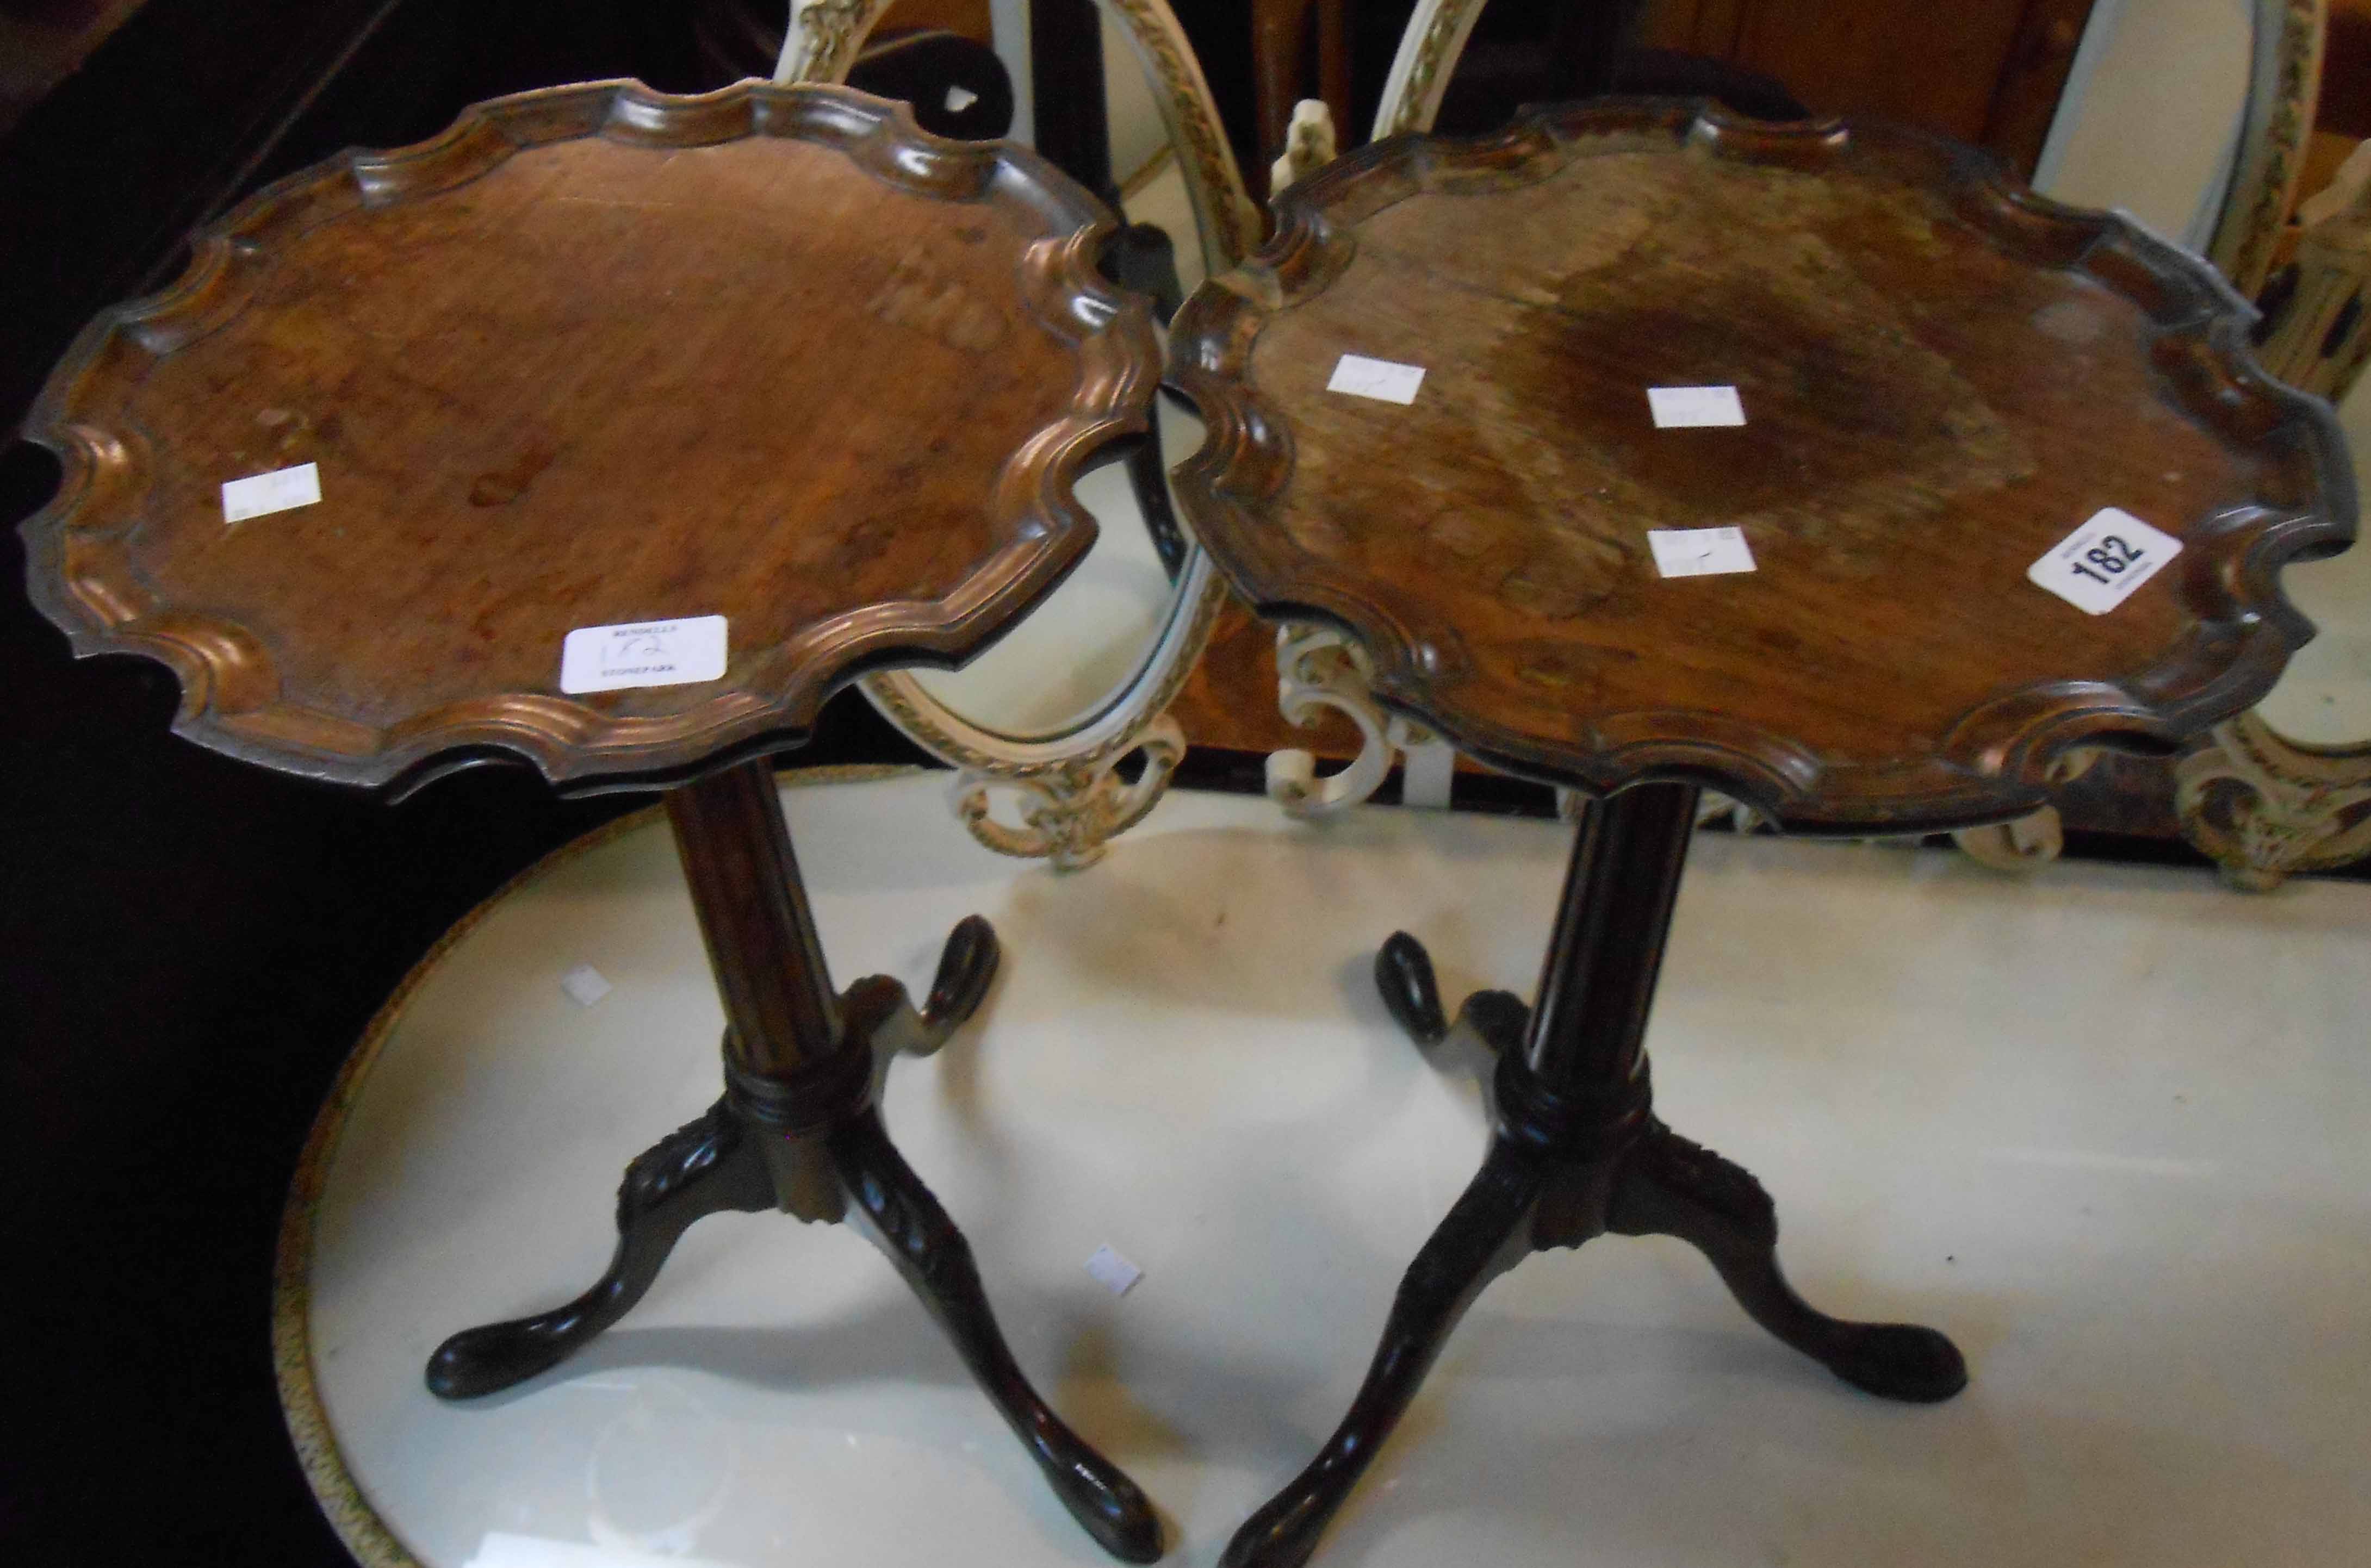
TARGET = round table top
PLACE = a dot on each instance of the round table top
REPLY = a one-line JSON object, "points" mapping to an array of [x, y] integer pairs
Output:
{"points": [[1872, 569], [753, 391]]}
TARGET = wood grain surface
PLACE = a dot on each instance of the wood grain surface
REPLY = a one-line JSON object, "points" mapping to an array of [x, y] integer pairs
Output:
{"points": [[1942, 377], [594, 356]]}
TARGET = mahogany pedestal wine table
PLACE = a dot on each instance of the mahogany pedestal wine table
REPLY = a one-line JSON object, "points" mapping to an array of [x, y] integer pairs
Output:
{"points": [[749, 392], [1936, 480]]}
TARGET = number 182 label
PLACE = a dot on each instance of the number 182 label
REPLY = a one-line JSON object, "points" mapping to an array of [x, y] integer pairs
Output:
{"points": [[2097, 567]]}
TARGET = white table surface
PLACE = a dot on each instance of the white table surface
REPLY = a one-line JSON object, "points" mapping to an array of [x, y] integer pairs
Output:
{"points": [[2104, 1125]]}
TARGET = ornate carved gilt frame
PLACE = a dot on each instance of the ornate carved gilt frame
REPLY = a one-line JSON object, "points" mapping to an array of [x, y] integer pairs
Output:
{"points": [[2262, 806], [1074, 800], [1430, 46]]}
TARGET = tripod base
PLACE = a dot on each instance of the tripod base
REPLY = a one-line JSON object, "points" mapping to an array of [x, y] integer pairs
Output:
{"points": [[1560, 1170], [813, 1145]]}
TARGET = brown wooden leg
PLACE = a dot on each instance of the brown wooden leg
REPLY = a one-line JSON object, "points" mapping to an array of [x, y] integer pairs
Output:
{"points": [[798, 1130], [1577, 1153], [1482, 1237], [901, 1217], [702, 1167], [1669, 1186]]}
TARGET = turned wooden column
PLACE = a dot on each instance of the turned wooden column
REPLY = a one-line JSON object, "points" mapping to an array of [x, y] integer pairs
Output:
{"points": [[779, 1008], [1597, 983]]}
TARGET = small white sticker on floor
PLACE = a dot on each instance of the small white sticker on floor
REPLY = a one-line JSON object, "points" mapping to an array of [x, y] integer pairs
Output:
{"points": [[584, 985], [1699, 552], [279, 490], [2097, 567], [1677, 408], [960, 98], [1112, 1272], [642, 653], [1380, 379]]}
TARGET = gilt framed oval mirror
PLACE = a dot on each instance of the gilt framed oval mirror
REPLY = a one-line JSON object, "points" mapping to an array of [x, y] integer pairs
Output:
{"points": [[1060, 733]]}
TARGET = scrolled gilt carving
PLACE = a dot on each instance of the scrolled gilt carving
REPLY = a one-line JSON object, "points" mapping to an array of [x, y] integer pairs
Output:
{"points": [[1077, 798], [2026, 844], [2033, 840], [1320, 668], [1073, 811], [822, 40], [2320, 337], [2266, 808]]}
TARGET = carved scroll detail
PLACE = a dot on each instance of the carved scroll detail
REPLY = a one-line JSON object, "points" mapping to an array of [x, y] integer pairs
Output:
{"points": [[2266, 808], [822, 39], [1071, 811], [1319, 668], [1077, 798]]}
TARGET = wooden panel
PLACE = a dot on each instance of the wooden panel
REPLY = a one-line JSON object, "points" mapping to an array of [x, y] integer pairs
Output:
{"points": [[968, 17], [1691, 27], [1989, 71], [1930, 66], [2025, 99], [1670, 24], [2345, 107]]}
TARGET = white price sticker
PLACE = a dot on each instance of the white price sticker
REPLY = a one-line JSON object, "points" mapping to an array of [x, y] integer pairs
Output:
{"points": [[1112, 1272], [1678, 408], [1699, 552], [645, 653], [586, 984], [1379, 379], [2097, 567], [261, 494]]}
